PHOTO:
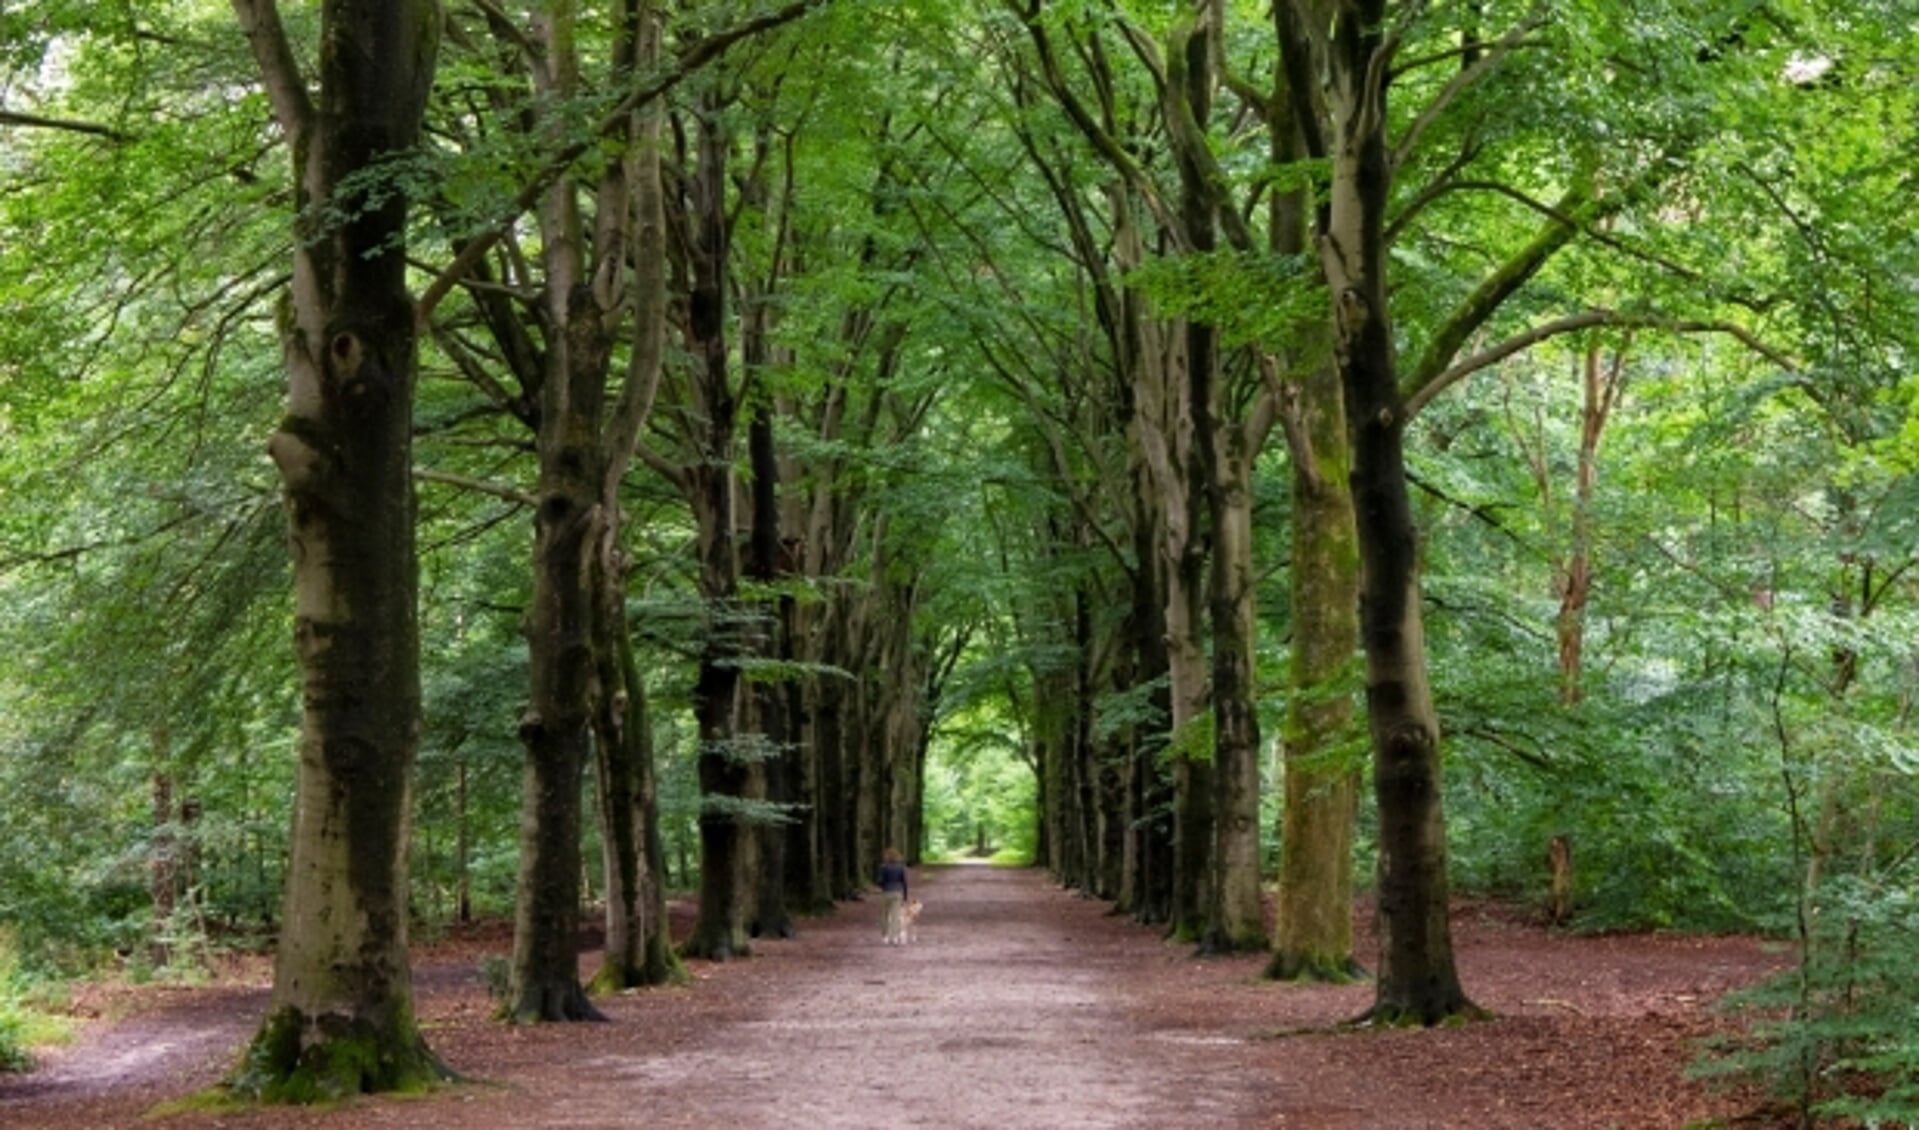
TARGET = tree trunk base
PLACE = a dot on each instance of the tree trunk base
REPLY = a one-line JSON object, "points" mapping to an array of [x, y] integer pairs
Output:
{"points": [[1184, 933], [1449, 1014], [301, 1059], [1216, 943], [712, 949], [782, 930], [618, 977], [1314, 969], [556, 1004]]}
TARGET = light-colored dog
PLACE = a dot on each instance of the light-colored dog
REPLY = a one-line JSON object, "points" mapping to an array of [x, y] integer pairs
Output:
{"points": [[909, 920]]}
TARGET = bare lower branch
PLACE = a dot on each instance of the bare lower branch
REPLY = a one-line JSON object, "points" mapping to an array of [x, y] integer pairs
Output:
{"points": [[479, 486], [279, 70], [1574, 323], [35, 121]]}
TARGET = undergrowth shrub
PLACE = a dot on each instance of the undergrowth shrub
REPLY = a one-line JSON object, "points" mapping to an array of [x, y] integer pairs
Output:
{"points": [[1837, 1036], [21, 1026]]}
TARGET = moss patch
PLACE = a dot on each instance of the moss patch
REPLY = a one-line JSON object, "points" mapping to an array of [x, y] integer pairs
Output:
{"points": [[300, 1060]]}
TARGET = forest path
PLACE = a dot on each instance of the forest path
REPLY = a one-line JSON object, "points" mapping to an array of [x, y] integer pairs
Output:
{"points": [[1020, 1005], [994, 1017]]}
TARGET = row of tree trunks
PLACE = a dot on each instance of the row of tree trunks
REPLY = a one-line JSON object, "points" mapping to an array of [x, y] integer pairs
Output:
{"points": [[1131, 812]]}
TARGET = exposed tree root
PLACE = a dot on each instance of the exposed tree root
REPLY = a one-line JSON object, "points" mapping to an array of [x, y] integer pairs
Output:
{"points": [[1314, 969], [1409, 1016], [567, 1005]]}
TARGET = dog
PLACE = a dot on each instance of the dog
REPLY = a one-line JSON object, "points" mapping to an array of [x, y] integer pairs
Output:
{"points": [[909, 918]]}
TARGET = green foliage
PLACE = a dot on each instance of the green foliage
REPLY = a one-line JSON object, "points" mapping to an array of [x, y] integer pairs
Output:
{"points": [[1192, 740], [1837, 1036], [1673, 815], [22, 1027], [981, 795], [1213, 288]]}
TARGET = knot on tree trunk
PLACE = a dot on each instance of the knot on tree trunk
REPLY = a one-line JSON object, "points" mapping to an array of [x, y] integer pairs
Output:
{"points": [[1407, 747]]}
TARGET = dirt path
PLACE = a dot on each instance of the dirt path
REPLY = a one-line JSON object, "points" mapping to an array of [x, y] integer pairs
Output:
{"points": [[1020, 1006]]}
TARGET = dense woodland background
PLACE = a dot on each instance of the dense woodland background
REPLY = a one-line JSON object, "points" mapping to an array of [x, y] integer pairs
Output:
{"points": [[931, 419]]}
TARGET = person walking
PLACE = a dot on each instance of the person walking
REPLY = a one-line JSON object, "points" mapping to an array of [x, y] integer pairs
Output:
{"points": [[892, 881]]}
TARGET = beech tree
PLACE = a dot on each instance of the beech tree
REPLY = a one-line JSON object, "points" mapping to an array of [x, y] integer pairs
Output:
{"points": [[340, 1020]]}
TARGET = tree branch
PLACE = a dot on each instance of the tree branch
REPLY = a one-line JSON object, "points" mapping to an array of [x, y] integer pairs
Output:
{"points": [[1496, 288], [689, 62], [1103, 142], [279, 70], [480, 486], [1459, 82], [1572, 324], [35, 121]]}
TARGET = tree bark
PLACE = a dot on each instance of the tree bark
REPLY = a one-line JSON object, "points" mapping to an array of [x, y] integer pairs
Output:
{"points": [[1236, 921], [1600, 387], [639, 948], [340, 1020], [1417, 978], [721, 931], [771, 916], [582, 294], [1314, 931]]}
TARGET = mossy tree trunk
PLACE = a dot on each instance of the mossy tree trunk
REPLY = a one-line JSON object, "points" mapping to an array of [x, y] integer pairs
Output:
{"points": [[340, 1020], [1313, 930], [1313, 937]]}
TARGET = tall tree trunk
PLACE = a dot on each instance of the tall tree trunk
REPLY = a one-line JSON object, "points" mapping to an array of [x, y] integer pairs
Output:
{"points": [[771, 916], [340, 1019], [1417, 978], [833, 799], [720, 932], [1314, 932], [1233, 919], [1236, 920], [639, 948], [570, 525], [556, 729], [1192, 758], [463, 847]]}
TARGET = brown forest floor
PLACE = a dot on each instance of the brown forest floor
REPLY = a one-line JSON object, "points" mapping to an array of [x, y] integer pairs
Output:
{"points": [[1019, 1006]]}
